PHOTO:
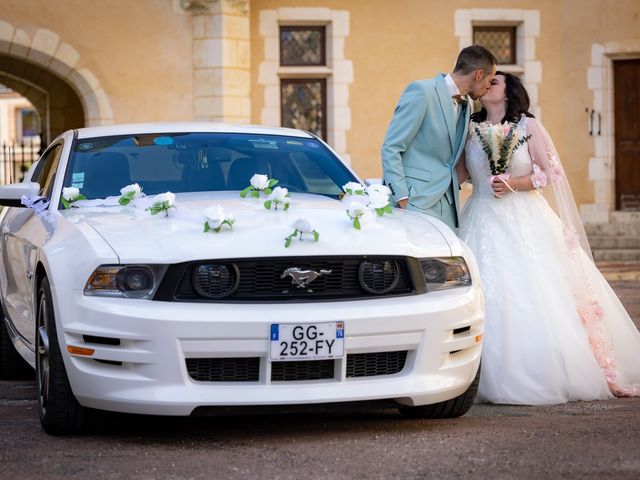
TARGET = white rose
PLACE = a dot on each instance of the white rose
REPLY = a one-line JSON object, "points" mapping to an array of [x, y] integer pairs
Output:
{"points": [[378, 188], [356, 209], [279, 194], [303, 225], [361, 212], [378, 199], [354, 188], [215, 216], [134, 187], [168, 197], [70, 193], [259, 182]]}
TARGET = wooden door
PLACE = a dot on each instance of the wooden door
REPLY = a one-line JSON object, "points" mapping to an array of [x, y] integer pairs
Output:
{"points": [[627, 137]]}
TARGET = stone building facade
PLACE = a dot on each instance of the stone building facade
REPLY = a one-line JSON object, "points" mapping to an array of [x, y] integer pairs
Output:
{"points": [[90, 62]]}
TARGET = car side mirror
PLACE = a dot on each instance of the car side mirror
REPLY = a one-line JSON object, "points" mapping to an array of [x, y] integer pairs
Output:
{"points": [[10, 195]]}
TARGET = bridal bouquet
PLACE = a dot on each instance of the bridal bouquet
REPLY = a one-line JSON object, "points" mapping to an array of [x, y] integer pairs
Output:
{"points": [[499, 143]]}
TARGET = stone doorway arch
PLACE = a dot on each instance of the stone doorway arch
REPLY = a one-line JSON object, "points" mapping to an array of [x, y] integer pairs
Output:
{"points": [[47, 71]]}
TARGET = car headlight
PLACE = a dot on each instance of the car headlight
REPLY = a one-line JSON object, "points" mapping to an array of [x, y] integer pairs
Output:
{"points": [[445, 272], [135, 281]]}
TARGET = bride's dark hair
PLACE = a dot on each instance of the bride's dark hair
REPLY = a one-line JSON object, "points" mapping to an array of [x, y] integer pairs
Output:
{"points": [[517, 101]]}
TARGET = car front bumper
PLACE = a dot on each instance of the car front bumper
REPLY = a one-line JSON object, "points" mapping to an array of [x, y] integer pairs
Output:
{"points": [[147, 371]]}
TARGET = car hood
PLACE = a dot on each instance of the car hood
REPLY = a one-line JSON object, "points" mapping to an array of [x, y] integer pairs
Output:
{"points": [[139, 237]]}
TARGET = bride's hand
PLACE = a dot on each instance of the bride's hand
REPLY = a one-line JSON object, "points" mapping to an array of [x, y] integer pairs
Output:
{"points": [[499, 187]]}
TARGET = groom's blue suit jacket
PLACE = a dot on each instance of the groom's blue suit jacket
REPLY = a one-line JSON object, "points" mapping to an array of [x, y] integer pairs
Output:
{"points": [[423, 144]]}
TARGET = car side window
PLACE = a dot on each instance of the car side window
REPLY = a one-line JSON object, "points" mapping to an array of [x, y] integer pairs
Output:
{"points": [[46, 170]]}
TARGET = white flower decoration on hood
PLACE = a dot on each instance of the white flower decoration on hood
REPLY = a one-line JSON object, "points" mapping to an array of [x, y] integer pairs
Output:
{"points": [[70, 193], [378, 188], [216, 218], [162, 202], [360, 213], [259, 182], [354, 188], [378, 199], [302, 227], [133, 188], [279, 196], [129, 193], [166, 197]]}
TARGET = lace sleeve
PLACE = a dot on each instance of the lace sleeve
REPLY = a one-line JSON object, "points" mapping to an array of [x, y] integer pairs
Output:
{"points": [[544, 158], [548, 172]]}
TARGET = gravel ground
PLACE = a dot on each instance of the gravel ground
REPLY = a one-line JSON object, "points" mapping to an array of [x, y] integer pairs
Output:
{"points": [[587, 440]]}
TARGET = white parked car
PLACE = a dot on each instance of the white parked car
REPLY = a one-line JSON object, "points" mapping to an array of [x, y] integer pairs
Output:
{"points": [[188, 299]]}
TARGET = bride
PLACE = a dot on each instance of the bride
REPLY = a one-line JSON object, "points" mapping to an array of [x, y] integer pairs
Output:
{"points": [[555, 331]]}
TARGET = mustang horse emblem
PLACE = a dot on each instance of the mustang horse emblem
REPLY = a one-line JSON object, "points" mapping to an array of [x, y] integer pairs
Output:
{"points": [[302, 278]]}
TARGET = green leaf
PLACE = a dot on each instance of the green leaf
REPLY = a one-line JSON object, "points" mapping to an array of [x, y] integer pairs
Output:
{"points": [[217, 230], [380, 211], [80, 197], [65, 204], [388, 209], [206, 227], [244, 192], [255, 194], [267, 204], [356, 224], [272, 182], [267, 191], [316, 236], [286, 206], [287, 242], [124, 201]]}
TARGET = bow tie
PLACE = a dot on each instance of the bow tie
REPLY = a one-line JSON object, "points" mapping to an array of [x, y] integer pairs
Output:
{"points": [[460, 100]]}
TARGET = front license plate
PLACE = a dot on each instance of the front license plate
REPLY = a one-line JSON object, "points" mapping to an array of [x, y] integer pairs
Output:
{"points": [[316, 341]]}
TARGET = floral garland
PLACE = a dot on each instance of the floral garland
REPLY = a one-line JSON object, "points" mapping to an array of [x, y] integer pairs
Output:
{"points": [[363, 201], [364, 204]]}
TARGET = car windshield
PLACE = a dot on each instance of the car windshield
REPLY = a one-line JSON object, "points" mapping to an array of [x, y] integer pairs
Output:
{"points": [[197, 162]]}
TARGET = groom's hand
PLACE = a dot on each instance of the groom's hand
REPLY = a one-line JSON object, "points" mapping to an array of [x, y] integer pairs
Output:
{"points": [[402, 203]]}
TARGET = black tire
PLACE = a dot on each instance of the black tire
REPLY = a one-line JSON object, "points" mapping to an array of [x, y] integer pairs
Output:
{"points": [[60, 413], [12, 365], [453, 408]]}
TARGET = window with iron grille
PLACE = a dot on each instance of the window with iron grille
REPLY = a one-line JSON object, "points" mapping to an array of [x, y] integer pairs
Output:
{"points": [[501, 41], [304, 104], [303, 86], [302, 46]]}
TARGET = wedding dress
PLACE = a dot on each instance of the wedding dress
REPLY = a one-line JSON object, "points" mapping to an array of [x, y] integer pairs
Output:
{"points": [[555, 331]]}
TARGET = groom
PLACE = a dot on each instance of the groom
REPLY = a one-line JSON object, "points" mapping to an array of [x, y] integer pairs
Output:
{"points": [[427, 135]]}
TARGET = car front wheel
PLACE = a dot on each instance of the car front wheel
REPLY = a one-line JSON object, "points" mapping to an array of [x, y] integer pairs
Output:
{"points": [[60, 412], [453, 408]]}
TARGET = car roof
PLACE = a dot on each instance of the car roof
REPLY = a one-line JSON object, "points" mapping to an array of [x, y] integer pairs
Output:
{"points": [[186, 127]]}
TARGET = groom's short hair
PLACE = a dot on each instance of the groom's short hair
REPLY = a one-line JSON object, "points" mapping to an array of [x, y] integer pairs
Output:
{"points": [[475, 57]]}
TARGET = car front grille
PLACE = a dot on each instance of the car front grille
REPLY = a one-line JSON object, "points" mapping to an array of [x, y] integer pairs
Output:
{"points": [[303, 370], [271, 279], [224, 369], [375, 364], [247, 369]]}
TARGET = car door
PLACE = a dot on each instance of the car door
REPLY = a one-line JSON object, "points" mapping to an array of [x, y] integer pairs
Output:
{"points": [[22, 233]]}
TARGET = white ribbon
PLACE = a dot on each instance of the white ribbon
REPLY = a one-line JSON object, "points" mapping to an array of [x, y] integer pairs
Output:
{"points": [[37, 203]]}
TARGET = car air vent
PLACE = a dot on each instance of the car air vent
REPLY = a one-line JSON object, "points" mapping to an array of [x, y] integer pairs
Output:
{"points": [[241, 369], [379, 276], [212, 280], [302, 370], [374, 364], [101, 340]]}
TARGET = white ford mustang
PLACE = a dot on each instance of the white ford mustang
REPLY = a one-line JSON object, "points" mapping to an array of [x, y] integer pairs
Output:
{"points": [[157, 269]]}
